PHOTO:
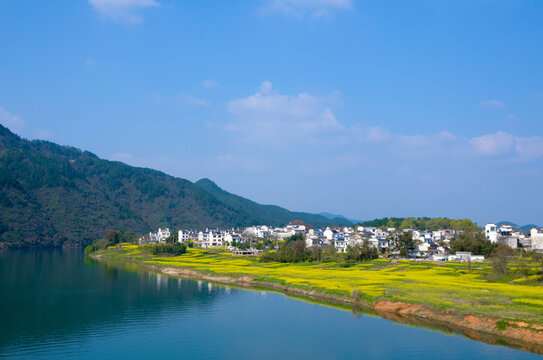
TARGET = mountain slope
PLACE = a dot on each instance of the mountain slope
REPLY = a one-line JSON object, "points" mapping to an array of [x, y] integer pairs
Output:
{"points": [[334, 216], [266, 214], [52, 195]]}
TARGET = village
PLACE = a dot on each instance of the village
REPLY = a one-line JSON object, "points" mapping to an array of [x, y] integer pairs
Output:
{"points": [[426, 245]]}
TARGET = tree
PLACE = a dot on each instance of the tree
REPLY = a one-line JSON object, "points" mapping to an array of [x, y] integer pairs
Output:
{"points": [[539, 258], [175, 249], [172, 239], [361, 252], [113, 236], [316, 253], [402, 243], [499, 259], [292, 250], [128, 236], [295, 237], [251, 239], [474, 242]]}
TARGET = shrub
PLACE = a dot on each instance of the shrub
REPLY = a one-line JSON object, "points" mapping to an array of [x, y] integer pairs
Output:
{"points": [[499, 259], [169, 249], [361, 252], [475, 242], [101, 244]]}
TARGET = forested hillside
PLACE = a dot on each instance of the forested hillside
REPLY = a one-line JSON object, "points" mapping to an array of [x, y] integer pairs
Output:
{"points": [[53, 195], [264, 214], [423, 223]]}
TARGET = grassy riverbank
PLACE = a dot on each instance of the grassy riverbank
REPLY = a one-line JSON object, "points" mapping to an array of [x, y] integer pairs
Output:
{"points": [[435, 286]]}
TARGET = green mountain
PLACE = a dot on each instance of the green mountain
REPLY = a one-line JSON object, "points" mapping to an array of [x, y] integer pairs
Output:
{"points": [[528, 227], [52, 195], [334, 216], [266, 214], [500, 223], [525, 228]]}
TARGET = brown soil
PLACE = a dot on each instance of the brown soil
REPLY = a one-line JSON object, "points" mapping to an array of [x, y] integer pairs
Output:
{"points": [[520, 335]]}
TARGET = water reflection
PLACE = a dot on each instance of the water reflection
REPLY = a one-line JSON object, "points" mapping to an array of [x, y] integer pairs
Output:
{"points": [[56, 304], [53, 293]]}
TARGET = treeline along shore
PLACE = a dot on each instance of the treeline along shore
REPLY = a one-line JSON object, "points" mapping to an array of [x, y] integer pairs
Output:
{"points": [[450, 296]]}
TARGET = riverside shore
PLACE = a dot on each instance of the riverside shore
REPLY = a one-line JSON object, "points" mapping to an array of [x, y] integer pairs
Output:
{"points": [[517, 333]]}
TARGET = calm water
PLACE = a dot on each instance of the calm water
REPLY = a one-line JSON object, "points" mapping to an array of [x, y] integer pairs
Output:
{"points": [[55, 304]]}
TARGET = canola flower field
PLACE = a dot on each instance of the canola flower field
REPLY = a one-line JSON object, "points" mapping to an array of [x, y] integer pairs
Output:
{"points": [[437, 286]]}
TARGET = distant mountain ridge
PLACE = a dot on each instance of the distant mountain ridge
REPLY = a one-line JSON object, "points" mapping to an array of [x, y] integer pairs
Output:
{"points": [[52, 195], [265, 214], [527, 227], [334, 216]]}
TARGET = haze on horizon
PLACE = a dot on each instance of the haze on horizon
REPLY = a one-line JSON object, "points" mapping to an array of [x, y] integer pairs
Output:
{"points": [[365, 109]]}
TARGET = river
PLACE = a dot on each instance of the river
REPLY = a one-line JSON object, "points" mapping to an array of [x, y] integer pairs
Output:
{"points": [[56, 304]]}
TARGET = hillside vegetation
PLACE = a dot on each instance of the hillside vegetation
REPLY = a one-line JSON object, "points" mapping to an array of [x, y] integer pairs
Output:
{"points": [[264, 214], [52, 195], [423, 223]]}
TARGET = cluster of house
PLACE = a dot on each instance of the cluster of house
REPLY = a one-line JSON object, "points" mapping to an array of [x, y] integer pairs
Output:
{"points": [[429, 244], [506, 234]]}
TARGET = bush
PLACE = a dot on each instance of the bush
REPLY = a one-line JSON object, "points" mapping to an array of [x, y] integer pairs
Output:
{"points": [[97, 245], [361, 252], [474, 242], [499, 259], [291, 251], [169, 249]]}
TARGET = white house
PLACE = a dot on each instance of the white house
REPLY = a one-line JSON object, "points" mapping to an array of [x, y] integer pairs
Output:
{"points": [[381, 234], [230, 237], [536, 235], [425, 236], [328, 234], [210, 238], [491, 232], [160, 236], [186, 235], [465, 257], [374, 241], [341, 244], [504, 234]]}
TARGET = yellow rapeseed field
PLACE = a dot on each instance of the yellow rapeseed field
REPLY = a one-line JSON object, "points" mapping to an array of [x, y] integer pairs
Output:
{"points": [[447, 286]]}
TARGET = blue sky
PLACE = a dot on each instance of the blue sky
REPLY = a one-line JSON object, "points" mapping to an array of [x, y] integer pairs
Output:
{"points": [[364, 108]]}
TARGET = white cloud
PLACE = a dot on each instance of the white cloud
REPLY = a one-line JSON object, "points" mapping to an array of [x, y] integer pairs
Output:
{"points": [[126, 11], [370, 134], [191, 100], [209, 84], [492, 104], [313, 8], [377, 133], [493, 144], [13, 122], [268, 115], [502, 143], [529, 148], [443, 137]]}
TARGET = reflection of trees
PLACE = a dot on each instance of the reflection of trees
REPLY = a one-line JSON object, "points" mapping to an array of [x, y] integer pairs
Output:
{"points": [[48, 293]]}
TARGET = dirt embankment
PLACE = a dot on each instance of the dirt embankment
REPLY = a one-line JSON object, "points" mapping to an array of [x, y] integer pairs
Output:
{"points": [[523, 336], [520, 335]]}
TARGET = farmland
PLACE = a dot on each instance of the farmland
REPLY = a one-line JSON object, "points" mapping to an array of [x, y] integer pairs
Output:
{"points": [[450, 287]]}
